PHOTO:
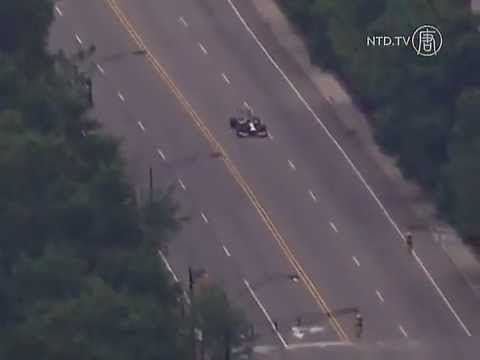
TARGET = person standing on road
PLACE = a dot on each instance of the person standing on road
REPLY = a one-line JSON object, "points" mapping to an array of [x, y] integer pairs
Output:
{"points": [[359, 323], [409, 241]]}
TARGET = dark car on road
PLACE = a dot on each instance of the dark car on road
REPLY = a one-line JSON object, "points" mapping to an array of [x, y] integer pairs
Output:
{"points": [[246, 124]]}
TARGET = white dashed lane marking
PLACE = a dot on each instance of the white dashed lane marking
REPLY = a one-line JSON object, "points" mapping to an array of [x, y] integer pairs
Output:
{"points": [[120, 95], [226, 251], [203, 48], [141, 125], [380, 296], [312, 195], [227, 80], [162, 155], [333, 226], [356, 261], [182, 185], [182, 20], [403, 330], [78, 39], [204, 218], [57, 9], [290, 163], [100, 68]]}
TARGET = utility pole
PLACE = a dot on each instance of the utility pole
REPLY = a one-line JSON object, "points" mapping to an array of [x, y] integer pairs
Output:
{"points": [[150, 173], [190, 280], [192, 312], [88, 82]]}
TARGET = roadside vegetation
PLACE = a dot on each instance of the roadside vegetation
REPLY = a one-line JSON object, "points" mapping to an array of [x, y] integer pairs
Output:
{"points": [[80, 277], [424, 110]]}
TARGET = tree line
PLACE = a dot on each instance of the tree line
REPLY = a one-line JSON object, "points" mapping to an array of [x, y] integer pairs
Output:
{"points": [[79, 273], [423, 110]]}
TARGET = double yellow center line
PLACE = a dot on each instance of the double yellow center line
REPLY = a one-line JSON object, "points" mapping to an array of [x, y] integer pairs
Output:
{"points": [[231, 168]]}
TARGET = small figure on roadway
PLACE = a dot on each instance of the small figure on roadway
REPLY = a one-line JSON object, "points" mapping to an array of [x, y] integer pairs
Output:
{"points": [[409, 241], [359, 323]]}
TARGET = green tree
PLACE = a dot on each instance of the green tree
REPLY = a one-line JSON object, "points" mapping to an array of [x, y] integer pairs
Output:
{"points": [[99, 324], [464, 168], [221, 324], [79, 274]]}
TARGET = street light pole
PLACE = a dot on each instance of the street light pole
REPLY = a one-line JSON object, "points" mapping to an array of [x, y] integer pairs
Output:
{"points": [[192, 312], [88, 82], [150, 173], [190, 280]]}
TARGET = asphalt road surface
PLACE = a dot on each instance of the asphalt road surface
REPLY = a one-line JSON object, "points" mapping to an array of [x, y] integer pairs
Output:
{"points": [[267, 208]]}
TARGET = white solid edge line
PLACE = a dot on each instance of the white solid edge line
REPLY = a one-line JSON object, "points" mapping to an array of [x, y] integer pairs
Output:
{"points": [[57, 9], [227, 80], [349, 161], [380, 296], [170, 270], [356, 261], [262, 308], [333, 226], [162, 155], [419, 261], [403, 330], [226, 251], [203, 48], [78, 39], [312, 195], [167, 265], [204, 218], [100, 68], [141, 125]]}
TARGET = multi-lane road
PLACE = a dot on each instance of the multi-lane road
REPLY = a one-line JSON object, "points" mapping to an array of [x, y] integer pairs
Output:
{"points": [[304, 201]]}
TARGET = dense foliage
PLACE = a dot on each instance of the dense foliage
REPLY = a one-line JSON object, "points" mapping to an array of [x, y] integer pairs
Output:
{"points": [[80, 277], [221, 333], [424, 110]]}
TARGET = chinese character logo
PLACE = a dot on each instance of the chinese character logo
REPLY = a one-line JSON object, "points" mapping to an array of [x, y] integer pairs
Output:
{"points": [[427, 40]]}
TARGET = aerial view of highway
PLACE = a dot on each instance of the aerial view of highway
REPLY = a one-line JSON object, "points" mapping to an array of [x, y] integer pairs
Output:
{"points": [[317, 217]]}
